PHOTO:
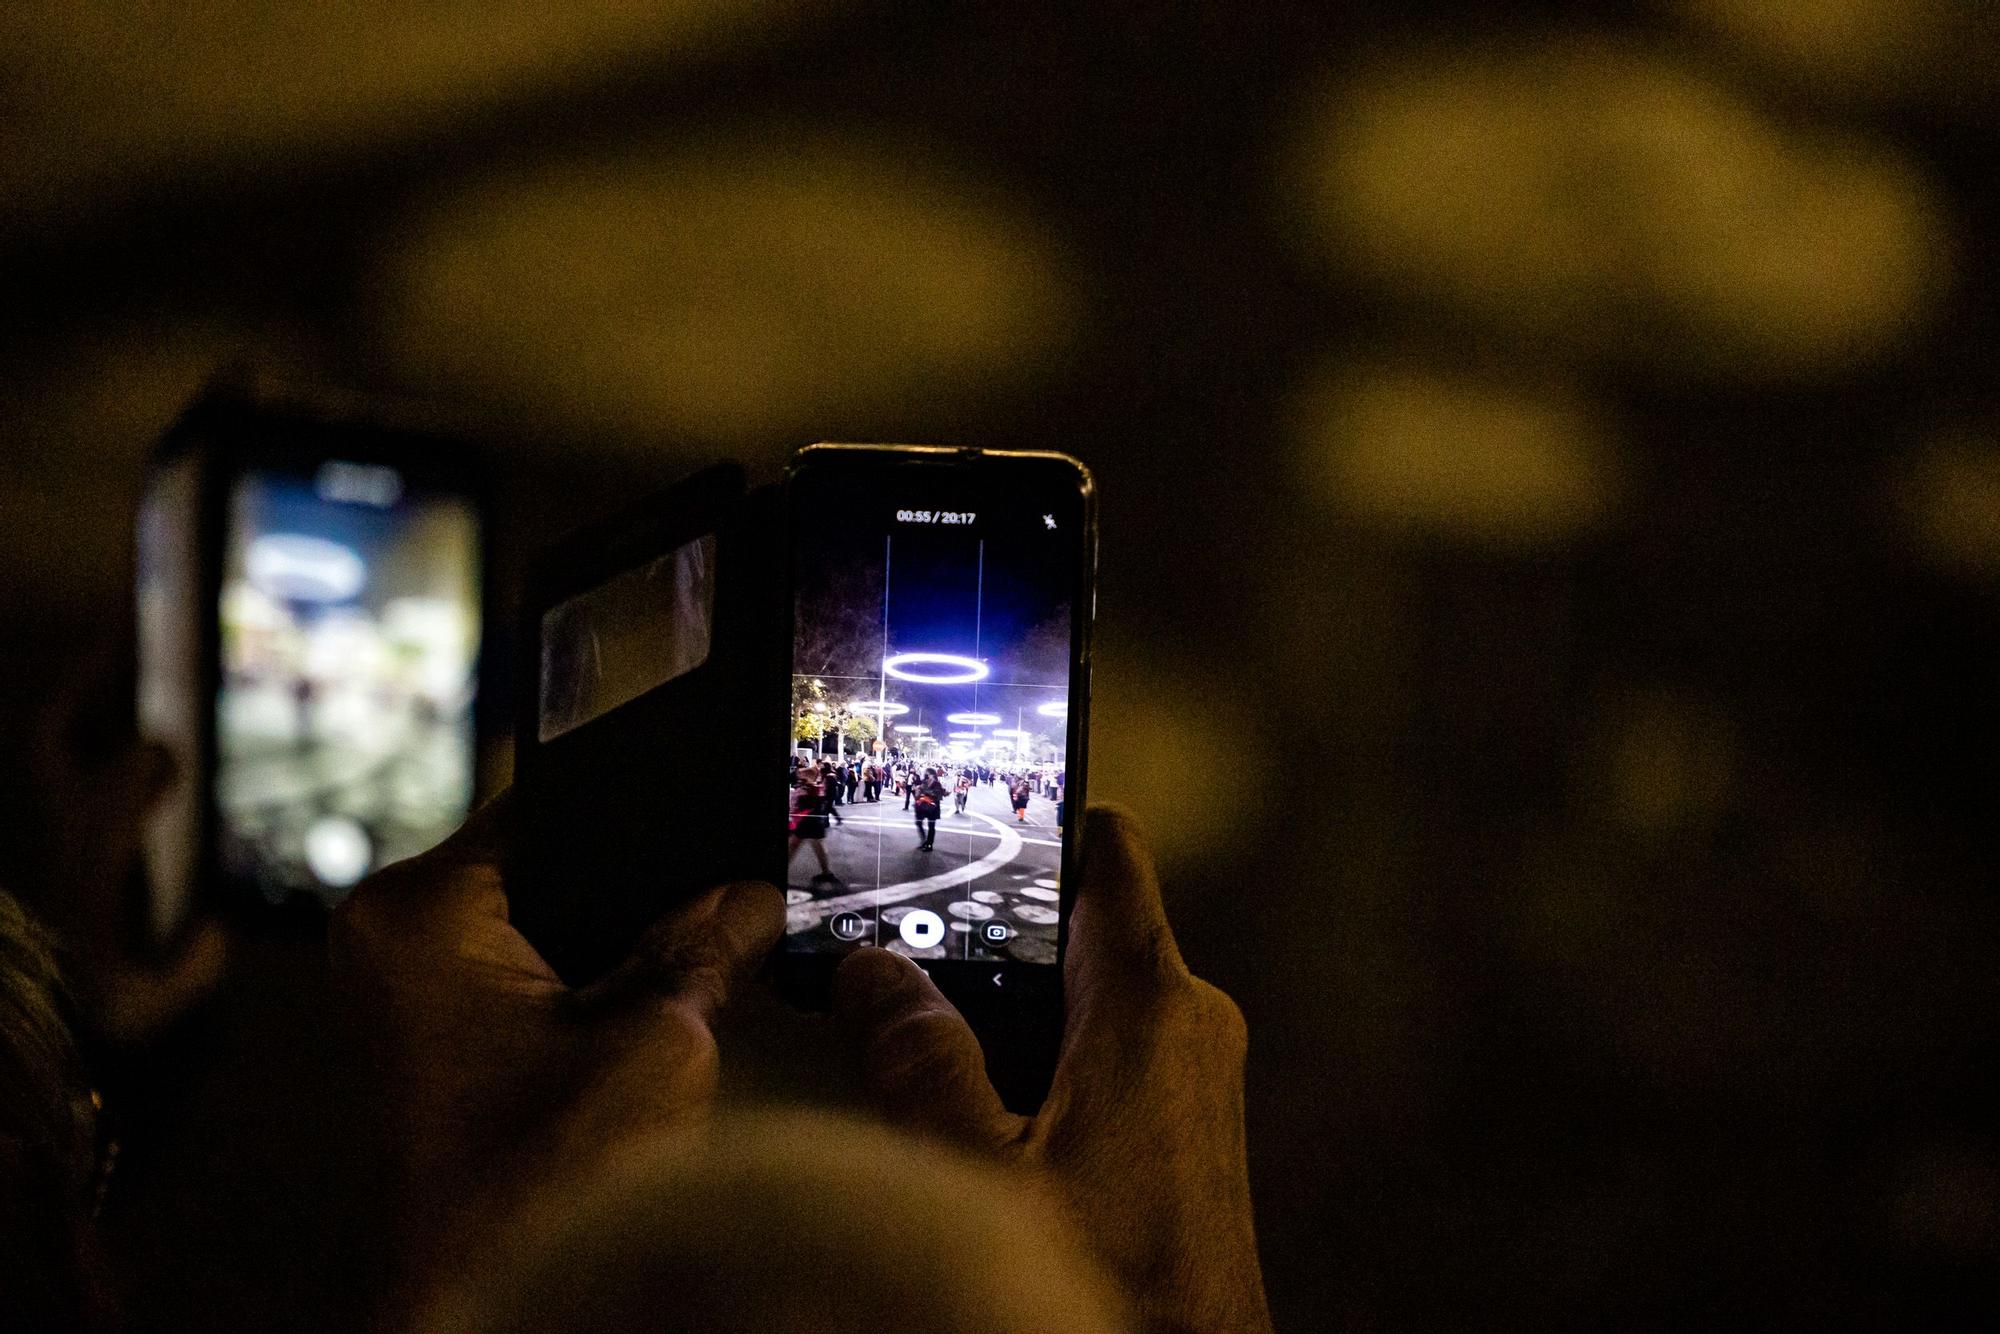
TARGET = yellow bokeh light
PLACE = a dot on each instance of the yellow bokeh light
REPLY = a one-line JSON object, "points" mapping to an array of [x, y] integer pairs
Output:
{"points": [[1402, 448], [1948, 494], [1608, 200], [1929, 52], [740, 288], [1152, 730], [106, 96]]}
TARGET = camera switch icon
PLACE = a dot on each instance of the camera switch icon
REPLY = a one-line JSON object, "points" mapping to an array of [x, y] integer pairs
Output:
{"points": [[996, 933]]}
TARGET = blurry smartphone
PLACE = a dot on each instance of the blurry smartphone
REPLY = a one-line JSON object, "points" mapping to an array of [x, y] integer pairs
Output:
{"points": [[940, 676], [309, 618]]}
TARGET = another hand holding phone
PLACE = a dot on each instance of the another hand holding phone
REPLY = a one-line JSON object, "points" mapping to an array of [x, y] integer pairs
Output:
{"points": [[1142, 1133], [493, 1074]]}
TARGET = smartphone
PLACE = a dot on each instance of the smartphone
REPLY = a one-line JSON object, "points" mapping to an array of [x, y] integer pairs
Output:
{"points": [[938, 725], [310, 612]]}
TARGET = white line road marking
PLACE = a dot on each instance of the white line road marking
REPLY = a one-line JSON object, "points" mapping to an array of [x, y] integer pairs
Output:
{"points": [[809, 915], [944, 829]]}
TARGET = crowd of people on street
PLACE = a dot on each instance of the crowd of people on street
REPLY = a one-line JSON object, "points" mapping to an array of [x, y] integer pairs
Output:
{"points": [[821, 785]]}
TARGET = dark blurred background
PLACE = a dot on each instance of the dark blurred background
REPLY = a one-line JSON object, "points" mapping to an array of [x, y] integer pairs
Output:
{"points": [[1551, 478]]}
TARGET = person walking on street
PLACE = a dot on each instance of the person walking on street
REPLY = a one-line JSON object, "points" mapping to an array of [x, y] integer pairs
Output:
{"points": [[1019, 793], [829, 804], [808, 824], [960, 790], [930, 804]]}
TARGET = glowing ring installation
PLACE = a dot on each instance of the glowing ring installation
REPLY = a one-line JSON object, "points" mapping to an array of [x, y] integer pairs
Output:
{"points": [[965, 736], [913, 729], [966, 669], [972, 719], [1055, 708], [877, 709], [1012, 731], [301, 568]]}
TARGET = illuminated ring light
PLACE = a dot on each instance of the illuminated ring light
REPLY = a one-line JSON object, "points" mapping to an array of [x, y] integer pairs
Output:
{"points": [[298, 568], [877, 709], [1055, 708], [965, 736], [1012, 731], [960, 669], [913, 729], [972, 719]]}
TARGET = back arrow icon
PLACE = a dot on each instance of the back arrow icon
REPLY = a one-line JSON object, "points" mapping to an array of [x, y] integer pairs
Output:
{"points": [[997, 977]]}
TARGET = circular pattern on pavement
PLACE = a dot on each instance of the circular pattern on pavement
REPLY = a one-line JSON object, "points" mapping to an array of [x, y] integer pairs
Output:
{"points": [[1030, 950]]}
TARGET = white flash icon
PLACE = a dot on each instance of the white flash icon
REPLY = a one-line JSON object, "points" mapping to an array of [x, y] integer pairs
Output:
{"points": [[1049, 519]]}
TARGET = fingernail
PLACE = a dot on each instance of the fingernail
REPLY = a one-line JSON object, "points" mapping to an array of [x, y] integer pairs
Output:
{"points": [[753, 904], [745, 892], [871, 981]]}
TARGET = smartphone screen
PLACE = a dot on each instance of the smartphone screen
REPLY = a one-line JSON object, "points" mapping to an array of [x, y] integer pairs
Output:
{"points": [[349, 621], [937, 641]]}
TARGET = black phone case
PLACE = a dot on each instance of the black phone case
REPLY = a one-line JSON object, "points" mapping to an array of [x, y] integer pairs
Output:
{"points": [[681, 788]]}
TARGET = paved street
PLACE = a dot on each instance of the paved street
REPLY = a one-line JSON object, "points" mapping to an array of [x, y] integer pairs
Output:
{"points": [[985, 869], [400, 775]]}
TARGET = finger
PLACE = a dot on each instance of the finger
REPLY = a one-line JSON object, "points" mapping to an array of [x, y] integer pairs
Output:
{"points": [[699, 953], [450, 902], [462, 875], [1119, 938], [487, 834], [919, 1058]]}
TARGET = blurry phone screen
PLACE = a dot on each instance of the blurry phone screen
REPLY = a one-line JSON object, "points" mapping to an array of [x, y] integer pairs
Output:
{"points": [[934, 638], [349, 635]]}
